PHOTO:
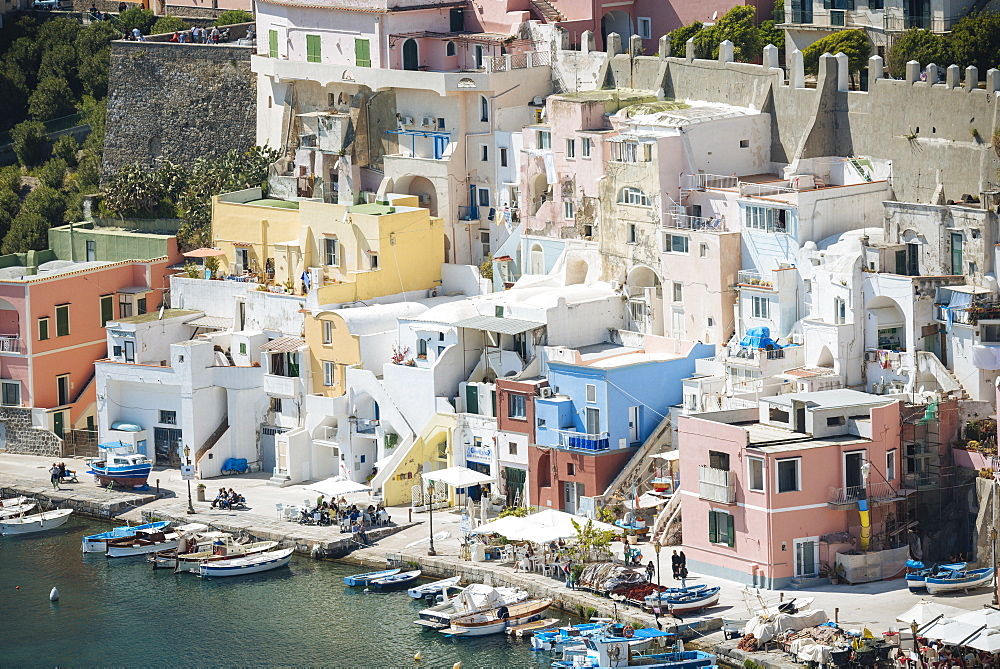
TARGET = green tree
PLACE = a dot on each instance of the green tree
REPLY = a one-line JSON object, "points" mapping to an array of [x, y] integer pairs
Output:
{"points": [[131, 192], [136, 17], [10, 178], [771, 34], [169, 24], [28, 231], [65, 148], [975, 40], [919, 45], [47, 202], [53, 173], [52, 99], [231, 16], [93, 49], [10, 205], [852, 43], [29, 142], [680, 36], [739, 26]]}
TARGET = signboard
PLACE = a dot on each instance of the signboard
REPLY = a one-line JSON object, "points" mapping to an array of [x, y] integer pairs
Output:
{"points": [[480, 453], [465, 524], [187, 473]]}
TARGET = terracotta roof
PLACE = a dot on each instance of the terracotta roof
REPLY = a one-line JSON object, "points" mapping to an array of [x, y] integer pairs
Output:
{"points": [[284, 345], [807, 372]]}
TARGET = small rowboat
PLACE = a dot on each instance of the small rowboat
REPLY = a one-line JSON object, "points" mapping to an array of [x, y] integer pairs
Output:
{"points": [[13, 501], [98, 543], [959, 580], [494, 621], [917, 574], [685, 603], [432, 589], [396, 580], [251, 564], [527, 630], [36, 522], [16, 510], [366, 578]]}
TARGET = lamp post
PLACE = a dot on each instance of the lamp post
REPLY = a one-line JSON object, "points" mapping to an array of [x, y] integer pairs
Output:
{"points": [[187, 461], [657, 547], [430, 509]]}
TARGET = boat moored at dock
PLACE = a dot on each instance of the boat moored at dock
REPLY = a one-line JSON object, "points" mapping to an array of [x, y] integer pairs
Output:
{"points": [[496, 620], [36, 522], [250, 564], [368, 577], [98, 543]]}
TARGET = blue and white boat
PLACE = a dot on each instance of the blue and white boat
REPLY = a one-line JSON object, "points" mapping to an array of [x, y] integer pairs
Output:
{"points": [[97, 543], [558, 639], [684, 601], [602, 650], [396, 580], [249, 564], [917, 573], [433, 589], [957, 580], [368, 577], [120, 464]]}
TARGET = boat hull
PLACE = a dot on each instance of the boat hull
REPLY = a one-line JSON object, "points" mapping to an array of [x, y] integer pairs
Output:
{"points": [[20, 509], [39, 522], [129, 477], [915, 582], [484, 624], [247, 565], [365, 579], [98, 543], [978, 578], [142, 548], [190, 562], [395, 581], [434, 588]]}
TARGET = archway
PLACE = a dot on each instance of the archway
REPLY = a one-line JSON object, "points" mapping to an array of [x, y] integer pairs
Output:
{"points": [[642, 286], [889, 323], [536, 259], [825, 358], [539, 192], [423, 188], [10, 323], [576, 271], [411, 60], [618, 22]]}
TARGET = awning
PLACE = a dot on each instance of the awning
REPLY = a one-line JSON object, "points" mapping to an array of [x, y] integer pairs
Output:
{"points": [[204, 253], [284, 345], [458, 477], [647, 500], [924, 611], [509, 326], [213, 322], [242, 243], [542, 527], [972, 290], [134, 290], [502, 259], [292, 243], [336, 486], [668, 456]]}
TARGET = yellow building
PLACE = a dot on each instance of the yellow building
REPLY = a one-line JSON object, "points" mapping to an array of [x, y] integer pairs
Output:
{"points": [[430, 452]]}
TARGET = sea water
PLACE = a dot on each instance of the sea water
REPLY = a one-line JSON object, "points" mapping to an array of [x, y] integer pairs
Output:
{"points": [[121, 612]]}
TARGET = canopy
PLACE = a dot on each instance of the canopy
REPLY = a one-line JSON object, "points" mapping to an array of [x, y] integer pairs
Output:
{"points": [[647, 500], [950, 631], [924, 611], [336, 486], [988, 640], [988, 617], [668, 456], [458, 477], [542, 527], [204, 253]]}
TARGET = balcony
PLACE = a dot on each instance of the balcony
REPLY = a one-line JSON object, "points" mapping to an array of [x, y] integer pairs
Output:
{"points": [[716, 485], [875, 493], [581, 441], [10, 344], [749, 277], [970, 315], [281, 386], [702, 181], [366, 426], [693, 223], [327, 435], [466, 213]]}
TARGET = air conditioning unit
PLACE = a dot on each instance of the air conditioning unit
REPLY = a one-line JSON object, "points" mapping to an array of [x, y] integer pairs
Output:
{"points": [[798, 339], [407, 120], [424, 198], [429, 122], [434, 292], [871, 356], [545, 391]]}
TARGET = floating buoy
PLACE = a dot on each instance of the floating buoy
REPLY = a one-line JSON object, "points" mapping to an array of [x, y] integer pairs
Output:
{"points": [[54, 595], [417, 656], [17, 587], [366, 590], [457, 665]]}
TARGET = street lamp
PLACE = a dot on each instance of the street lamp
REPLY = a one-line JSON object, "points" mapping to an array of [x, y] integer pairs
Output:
{"points": [[187, 461], [657, 547], [430, 495]]}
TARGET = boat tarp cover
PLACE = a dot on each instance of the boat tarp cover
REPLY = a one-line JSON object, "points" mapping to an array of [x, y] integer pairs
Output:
{"points": [[765, 627], [606, 576]]}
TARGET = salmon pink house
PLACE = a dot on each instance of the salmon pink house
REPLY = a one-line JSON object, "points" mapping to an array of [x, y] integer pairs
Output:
{"points": [[773, 492]]}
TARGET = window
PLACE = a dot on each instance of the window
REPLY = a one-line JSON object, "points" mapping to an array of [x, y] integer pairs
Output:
{"points": [[43, 329], [517, 406], [484, 197], [242, 255], [456, 20], [720, 528], [327, 332], [272, 43], [956, 253], [591, 393], [702, 250], [586, 145], [10, 393], [718, 460], [568, 210], [755, 474], [678, 291], [512, 447], [592, 415], [484, 109], [765, 219], [332, 251], [744, 143], [631, 152], [710, 322], [62, 320], [313, 49], [450, 49], [422, 347], [759, 306], [675, 244], [570, 469], [328, 372], [890, 339], [789, 475], [839, 311], [243, 348], [544, 139], [484, 152], [633, 234], [834, 421], [140, 306], [498, 311], [276, 404], [630, 195], [440, 123], [503, 157], [362, 52], [571, 148], [890, 465], [644, 27], [168, 417]]}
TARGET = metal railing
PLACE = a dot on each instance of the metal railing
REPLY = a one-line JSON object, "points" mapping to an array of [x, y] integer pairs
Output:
{"points": [[764, 189], [687, 222], [873, 492], [10, 344], [584, 441], [749, 277], [466, 213], [702, 181], [716, 485], [367, 424]]}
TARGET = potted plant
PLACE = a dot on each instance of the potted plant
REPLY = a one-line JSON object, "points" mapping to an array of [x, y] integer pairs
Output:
{"points": [[201, 492]]}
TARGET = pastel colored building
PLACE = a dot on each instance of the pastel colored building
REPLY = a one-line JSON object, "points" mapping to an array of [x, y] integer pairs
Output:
{"points": [[771, 492], [601, 404]]}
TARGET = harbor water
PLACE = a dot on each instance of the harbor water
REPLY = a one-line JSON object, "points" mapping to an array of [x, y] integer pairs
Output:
{"points": [[122, 612]]}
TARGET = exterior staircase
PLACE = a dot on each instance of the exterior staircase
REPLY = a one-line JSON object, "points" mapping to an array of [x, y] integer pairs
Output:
{"points": [[213, 439], [640, 466], [806, 582], [546, 11], [670, 514]]}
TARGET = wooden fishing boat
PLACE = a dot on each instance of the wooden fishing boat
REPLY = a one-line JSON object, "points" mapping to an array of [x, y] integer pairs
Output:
{"points": [[36, 522], [685, 602], [250, 564], [917, 573], [13, 501], [189, 562], [560, 638], [959, 580], [432, 589], [16, 510], [120, 464], [98, 543], [141, 543], [529, 629], [476, 597], [396, 580], [603, 650], [494, 621], [368, 577]]}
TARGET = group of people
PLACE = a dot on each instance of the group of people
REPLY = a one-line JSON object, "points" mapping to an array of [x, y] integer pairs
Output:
{"points": [[350, 517], [227, 499], [57, 472], [96, 15], [199, 36]]}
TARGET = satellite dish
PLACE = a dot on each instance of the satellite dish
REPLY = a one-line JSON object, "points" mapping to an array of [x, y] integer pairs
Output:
{"points": [[537, 100]]}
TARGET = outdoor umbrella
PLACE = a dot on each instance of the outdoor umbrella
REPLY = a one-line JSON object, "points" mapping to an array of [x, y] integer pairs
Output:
{"points": [[336, 486], [204, 253], [988, 640], [924, 611], [458, 477], [983, 617]]}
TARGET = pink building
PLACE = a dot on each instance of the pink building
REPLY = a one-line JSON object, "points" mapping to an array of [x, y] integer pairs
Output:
{"points": [[772, 493]]}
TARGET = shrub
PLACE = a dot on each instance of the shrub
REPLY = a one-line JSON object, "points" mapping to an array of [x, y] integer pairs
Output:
{"points": [[231, 16], [169, 24], [66, 147], [853, 43], [29, 142], [53, 173], [136, 17]]}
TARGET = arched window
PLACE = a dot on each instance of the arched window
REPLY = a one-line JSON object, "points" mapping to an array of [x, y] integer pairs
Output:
{"points": [[630, 195], [450, 49], [484, 108]]}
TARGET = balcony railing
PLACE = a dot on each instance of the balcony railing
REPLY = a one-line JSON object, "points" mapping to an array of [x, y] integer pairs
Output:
{"points": [[873, 492], [698, 223], [749, 277], [326, 433], [583, 441], [702, 181], [716, 485], [518, 61], [10, 344], [367, 425], [281, 386], [971, 315], [468, 213]]}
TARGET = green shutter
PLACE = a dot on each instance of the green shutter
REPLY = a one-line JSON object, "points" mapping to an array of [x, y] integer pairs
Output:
{"points": [[472, 399], [107, 309], [62, 321], [272, 43], [362, 52], [713, 528], [730, 533], [313, 48]]}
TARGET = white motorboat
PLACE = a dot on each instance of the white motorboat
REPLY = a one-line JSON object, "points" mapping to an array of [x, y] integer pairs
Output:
{"points": [[35, 522], [496, 620], [13, 501], [476, 597], [16, 510], [217, 552], [250, 564]]}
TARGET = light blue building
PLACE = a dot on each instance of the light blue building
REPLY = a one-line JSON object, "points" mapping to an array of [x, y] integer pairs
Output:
{"points": [[524, 254]]}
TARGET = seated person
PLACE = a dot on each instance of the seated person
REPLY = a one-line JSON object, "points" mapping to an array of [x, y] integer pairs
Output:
{"points": [[219, 498]]}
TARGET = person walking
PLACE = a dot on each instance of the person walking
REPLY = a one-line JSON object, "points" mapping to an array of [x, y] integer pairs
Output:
{"points": [[54, 476], [675, 564], [684, 565], [650, 570]]}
